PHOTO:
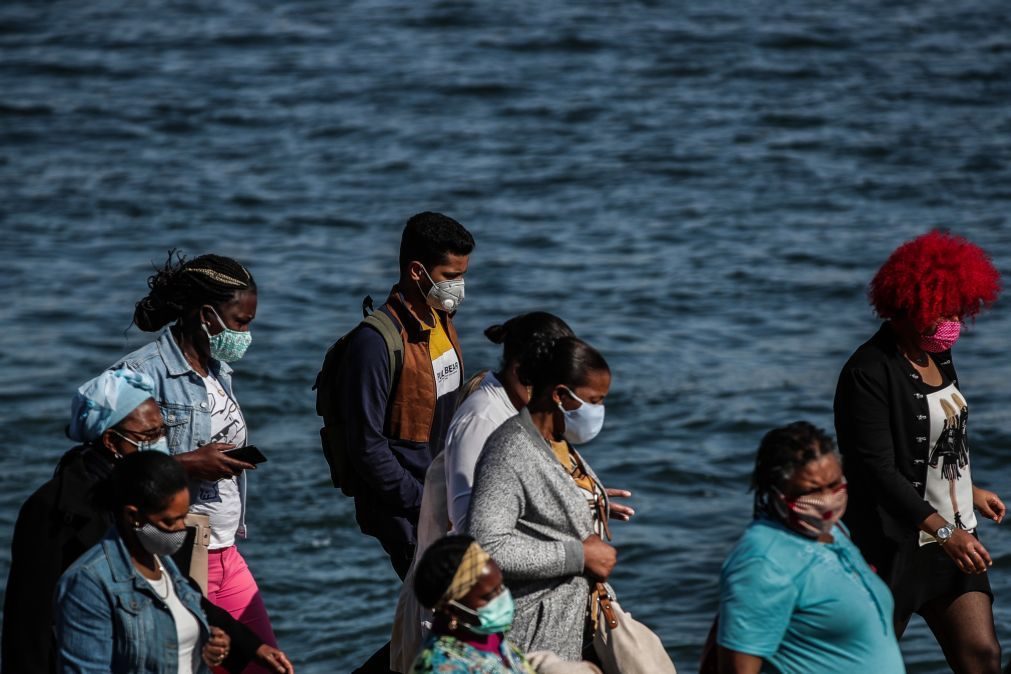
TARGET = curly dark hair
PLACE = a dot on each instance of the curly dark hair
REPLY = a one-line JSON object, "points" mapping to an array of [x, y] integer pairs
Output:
{"points": [[429, 237], [782, 452]]}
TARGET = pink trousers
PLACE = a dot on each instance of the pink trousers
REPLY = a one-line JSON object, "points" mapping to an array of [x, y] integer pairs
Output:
{"points": [[231, 586]]}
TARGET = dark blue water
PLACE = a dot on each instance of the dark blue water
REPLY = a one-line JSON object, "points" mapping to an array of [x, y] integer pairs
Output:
{"points": [[701, 189]]}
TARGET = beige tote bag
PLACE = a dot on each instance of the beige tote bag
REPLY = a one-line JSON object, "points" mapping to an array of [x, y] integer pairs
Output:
{"points": [[623, 644]]}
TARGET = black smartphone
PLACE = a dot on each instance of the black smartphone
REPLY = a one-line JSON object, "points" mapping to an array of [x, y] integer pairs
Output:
{"points": [[249, 454]]}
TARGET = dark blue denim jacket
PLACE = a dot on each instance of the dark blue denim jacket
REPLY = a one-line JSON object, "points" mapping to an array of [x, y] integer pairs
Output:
{"points": [[182, 396], [109, 619]]}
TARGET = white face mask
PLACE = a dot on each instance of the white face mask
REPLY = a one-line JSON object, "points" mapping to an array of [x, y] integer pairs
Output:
{"points": [[583, 423], [159, 445], [444, 295]]}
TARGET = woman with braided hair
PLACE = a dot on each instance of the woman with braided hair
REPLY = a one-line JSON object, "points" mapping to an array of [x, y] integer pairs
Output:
{"points": [[209, 303], [795, 593]]}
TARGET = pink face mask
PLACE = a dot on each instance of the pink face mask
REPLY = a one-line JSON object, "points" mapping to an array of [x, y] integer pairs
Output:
{"points": [[943, 338], [814, 515]]}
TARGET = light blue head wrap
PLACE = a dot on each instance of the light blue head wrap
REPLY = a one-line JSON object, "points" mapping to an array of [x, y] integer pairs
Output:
{"points": [[104, 401]]}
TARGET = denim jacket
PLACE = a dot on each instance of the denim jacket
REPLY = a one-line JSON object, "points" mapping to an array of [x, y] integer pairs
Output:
{"points": [[109, 619], [182, 396]]}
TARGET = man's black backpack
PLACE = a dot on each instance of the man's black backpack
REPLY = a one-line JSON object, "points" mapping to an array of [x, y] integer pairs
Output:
{"points": [[333, 434]]}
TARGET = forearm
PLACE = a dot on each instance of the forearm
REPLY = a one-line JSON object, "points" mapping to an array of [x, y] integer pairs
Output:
{"points": [[494, 519], [523, 558], [932, 523], [377, 467]]}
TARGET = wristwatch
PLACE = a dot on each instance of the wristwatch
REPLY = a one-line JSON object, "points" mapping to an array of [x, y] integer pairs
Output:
{"points": [[943, 535]]}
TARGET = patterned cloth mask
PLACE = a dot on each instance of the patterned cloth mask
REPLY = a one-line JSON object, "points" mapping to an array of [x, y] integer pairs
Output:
{"points": [[944, 337], [159, 542], [228, 345], [812, 515]]}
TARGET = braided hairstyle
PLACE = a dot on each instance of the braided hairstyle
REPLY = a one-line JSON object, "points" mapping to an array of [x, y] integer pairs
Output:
{"points": [[567, 361], [182, 285], [437, 567], [520, 334], [783, 452]]}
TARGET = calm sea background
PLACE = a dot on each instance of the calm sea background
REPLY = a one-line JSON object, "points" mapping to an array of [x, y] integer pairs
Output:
{"points": [[702, 190]]}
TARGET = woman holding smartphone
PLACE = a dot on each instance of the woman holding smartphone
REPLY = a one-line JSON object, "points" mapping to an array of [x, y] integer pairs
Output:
{"points": [[210, 302]]}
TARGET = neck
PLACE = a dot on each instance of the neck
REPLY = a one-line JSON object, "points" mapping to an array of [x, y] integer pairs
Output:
{"points": [[542, 413], [908, 341], [195, 347], [518, 393], [415, 300]]}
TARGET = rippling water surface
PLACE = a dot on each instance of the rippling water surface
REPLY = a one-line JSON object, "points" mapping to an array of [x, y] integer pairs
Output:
{"points": [[701, 189]]}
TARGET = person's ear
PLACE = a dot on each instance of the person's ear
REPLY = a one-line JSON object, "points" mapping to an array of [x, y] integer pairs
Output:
{"points": [[133, 516], [416, 271], [556, 395], [108, 440], [208, 318]]}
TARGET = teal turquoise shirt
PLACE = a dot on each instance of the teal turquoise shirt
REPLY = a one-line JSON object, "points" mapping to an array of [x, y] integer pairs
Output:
{"points": [[806, 607]]}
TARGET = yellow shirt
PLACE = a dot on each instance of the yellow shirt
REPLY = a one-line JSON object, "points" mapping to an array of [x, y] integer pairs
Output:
{"points": [[445, 362], [564, 456]]}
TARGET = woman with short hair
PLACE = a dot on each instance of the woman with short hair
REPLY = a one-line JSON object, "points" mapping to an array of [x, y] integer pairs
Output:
{"points": [[795, 592], [901, 418], [123, 607]]}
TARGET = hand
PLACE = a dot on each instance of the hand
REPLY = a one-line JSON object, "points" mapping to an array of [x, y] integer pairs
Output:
{"points": [[988, 504], [619, 511], [599, 558], [210, 463], [968, 553], [216, 649], [274, 660]]}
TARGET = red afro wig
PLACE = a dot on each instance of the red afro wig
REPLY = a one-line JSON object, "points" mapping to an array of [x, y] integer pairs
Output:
{"points": [[933, 276]]}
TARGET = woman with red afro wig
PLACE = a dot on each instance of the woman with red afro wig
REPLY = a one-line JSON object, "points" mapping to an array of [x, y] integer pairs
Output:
{"points": [[901, 421]]}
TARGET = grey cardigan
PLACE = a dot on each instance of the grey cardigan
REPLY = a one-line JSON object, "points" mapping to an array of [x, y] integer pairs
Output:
{"points": [[531, 517]]}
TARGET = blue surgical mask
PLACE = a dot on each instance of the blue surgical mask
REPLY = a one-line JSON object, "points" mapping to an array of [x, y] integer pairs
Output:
{"points": [[583, 423], [159, 445], [445, 295], [228, 345], [496, 617]]}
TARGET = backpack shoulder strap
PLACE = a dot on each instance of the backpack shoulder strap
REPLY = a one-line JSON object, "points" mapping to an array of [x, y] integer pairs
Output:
{"points": [[382, 323]]}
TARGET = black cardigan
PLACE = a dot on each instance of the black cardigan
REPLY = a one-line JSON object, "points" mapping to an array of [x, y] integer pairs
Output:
{"points": [[882, 423]]}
